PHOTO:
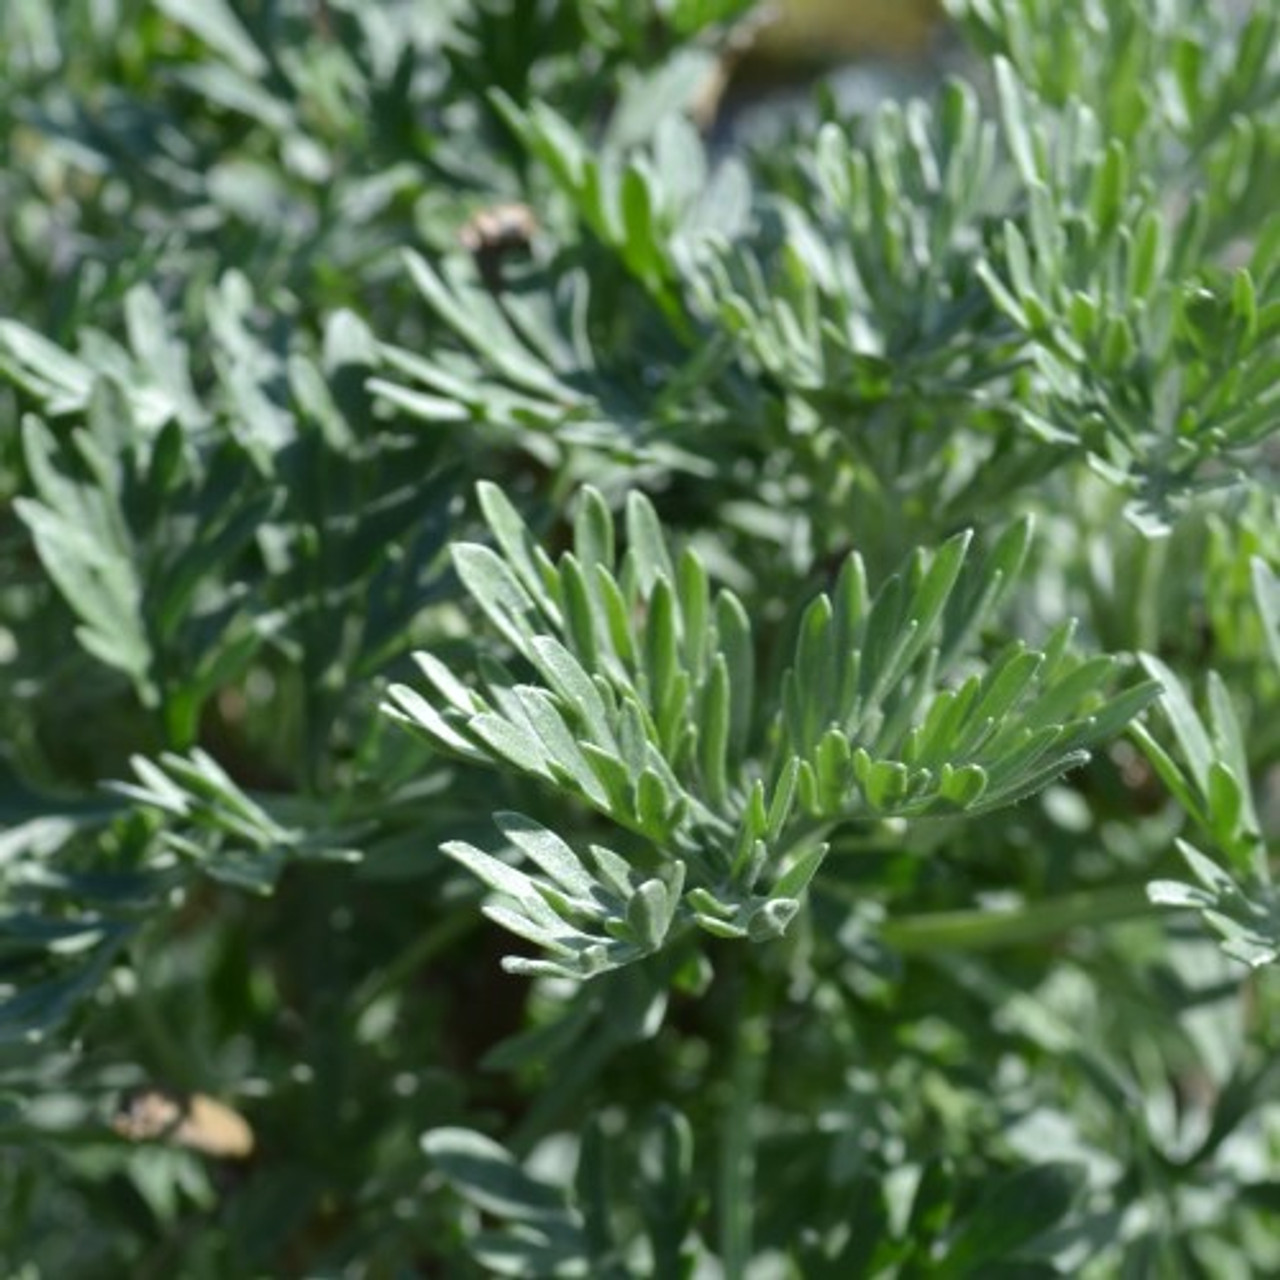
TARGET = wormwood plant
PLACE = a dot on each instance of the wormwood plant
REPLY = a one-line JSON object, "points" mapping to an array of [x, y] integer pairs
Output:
{"points": [[734, 734]]}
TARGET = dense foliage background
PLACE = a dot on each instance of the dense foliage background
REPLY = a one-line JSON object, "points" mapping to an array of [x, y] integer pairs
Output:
{"points": [[696, 566]]}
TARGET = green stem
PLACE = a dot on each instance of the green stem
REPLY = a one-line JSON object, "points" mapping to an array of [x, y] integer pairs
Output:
{"points": [[980, 930], [1151, 555], [737, 1145]]}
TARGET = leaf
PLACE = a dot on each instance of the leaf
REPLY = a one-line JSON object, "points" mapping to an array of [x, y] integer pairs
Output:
{"points": [[46, 368], [496, 589], [563, 756], [650, 912], [1015, 112], [546, 851], [1107, 720], [694, 595], [733, 639], [513, 537], [1179, 785], [593, 531], [646, 544], [662, 646], [485, 1174], [784, 796], [796, 879], [1110, 186], [512, 743], [1005, 684], [1212, 876], [962, 787], [84, 546], [1147, 255], [410, 707], [29, 1015], [568, 678], [1186, 724], [1266, 592], [1020, 1207], [926, 604], [713, 733], [217, 25], [638, 228], [1173, 893]]}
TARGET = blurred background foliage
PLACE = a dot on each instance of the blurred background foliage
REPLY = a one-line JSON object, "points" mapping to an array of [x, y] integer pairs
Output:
{"points": [[257, 350]]}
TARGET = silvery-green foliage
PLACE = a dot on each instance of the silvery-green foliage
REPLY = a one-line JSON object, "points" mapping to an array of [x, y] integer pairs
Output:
{"points": [[630, 687], [1213, 782]]}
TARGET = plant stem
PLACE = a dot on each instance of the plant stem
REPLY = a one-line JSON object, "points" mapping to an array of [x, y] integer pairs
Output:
{"points": [[737, 1145], [978, 930]]}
